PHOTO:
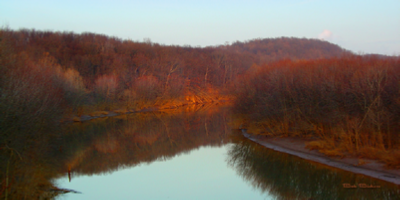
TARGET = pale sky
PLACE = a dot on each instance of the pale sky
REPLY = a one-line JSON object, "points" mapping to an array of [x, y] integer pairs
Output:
{"points": [[362, 26]]}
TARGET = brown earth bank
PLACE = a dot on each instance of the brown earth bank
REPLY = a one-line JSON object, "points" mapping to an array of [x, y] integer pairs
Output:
{"points": [[296, 146]]}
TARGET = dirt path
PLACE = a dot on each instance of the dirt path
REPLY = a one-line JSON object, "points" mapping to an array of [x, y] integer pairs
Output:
{"points": [[296, 147]]}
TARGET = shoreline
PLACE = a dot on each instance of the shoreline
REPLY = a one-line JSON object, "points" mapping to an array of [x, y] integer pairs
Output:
{"points": [[84, 118], [114, 113], [296, 147]]}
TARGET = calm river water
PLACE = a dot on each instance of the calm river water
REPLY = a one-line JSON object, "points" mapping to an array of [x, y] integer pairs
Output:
{"points": [[188, 154]]}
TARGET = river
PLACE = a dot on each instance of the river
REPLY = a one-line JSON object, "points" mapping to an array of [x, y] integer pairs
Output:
{"points": [[191, 153]]}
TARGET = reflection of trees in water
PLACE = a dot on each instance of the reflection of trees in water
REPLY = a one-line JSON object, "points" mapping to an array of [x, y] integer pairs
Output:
{"points": [[25, 165], [289, 177], [108, 145], [103, 146]]}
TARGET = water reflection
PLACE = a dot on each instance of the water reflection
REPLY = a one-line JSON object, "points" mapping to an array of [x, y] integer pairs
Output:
{"points": [[32, 162], [108, 145], [288, 177]]}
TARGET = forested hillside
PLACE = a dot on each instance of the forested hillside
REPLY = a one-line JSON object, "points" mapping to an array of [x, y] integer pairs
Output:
{"points": [[82, 68], [94, 55], [46, 75]]}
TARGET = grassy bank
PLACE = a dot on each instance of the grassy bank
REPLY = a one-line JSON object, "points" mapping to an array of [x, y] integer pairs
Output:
{"points": [[348, 105]]}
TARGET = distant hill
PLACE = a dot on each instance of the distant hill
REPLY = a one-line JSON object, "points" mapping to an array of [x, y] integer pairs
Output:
{"points": [[273, 49]]}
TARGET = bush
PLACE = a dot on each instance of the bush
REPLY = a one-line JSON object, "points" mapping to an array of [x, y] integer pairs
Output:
{"points": [[106, 87], [147, 88]]}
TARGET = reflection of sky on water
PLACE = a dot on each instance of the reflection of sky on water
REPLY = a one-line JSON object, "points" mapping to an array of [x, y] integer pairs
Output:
{"points": [[200, 174], [111, 150]]}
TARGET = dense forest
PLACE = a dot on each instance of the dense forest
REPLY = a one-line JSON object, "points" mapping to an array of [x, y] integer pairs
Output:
{"points": [[63, 72], [345, 103]]}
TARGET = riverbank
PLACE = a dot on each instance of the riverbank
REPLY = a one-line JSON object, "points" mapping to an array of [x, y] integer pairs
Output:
{"points": [[104, 114], [296, 146]]}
